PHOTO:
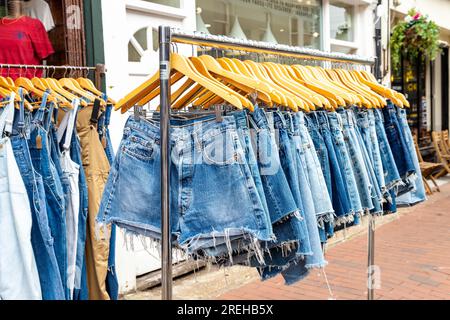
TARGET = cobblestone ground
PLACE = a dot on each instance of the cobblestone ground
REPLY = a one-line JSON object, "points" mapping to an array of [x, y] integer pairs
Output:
{"points": [[412, 254]]}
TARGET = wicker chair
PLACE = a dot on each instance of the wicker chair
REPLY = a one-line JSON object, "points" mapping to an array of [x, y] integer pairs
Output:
{"points": [[442, 152], [427, 169]]}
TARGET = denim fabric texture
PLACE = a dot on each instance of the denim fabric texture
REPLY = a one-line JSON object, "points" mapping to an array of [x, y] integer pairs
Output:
{"points": [[41, 236]]}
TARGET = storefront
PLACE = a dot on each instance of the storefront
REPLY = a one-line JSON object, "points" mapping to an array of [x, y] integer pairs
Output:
{"points": [[76, 37], [424, 82]]}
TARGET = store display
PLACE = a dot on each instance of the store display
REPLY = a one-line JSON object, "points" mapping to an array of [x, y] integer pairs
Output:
{"points": [[251, 222], [267, 161]]}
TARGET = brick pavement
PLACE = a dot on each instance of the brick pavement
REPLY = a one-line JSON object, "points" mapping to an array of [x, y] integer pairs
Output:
{"points": [[412, 253]]}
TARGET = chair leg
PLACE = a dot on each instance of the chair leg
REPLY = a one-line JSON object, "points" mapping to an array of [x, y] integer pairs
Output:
{"points": [[427, 186], [441, 173], [435, 183]]}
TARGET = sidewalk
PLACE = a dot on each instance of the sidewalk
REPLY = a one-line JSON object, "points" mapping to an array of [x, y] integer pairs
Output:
{"points": [[412, 253]]}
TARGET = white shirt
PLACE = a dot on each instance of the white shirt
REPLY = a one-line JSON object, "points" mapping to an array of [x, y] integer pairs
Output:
{"points": [[39, 9]]}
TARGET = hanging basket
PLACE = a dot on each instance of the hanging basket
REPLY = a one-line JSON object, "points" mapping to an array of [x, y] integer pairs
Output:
{"points": [[415, 36]]}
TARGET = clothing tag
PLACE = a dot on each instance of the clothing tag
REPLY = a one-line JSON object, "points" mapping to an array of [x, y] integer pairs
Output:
{"points": [[39, 142], [95, 111], [104, 142], [218, 110]]}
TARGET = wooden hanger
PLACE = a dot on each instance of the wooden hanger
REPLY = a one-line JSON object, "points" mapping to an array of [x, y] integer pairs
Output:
{"points": [[333, 82], [310, 95], [201, 68], [88, 85], [291, 87], [56, 87], [174, 78], [388, 93], [294, 103], [184, 66], [320, 87], [324, 101], [275, 96], [237, 86], [262, 95], [42, 85], [375, 99]]}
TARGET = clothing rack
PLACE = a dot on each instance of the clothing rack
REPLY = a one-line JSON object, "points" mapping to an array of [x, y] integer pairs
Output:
{"points": [[99, 69], [169, 36]]}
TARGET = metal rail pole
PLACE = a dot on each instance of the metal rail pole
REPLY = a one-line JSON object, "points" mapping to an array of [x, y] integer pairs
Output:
{"points": [[166, 235], [371, 259]]}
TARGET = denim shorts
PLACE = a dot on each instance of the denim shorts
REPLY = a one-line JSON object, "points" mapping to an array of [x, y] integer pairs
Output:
{"points": [[321, 197], [418, 194], [344, 161], [339, 195], [391, 174], [303, 153], [402, 156], [280, 201], [356, 155], [377, 197], [213, 195]]}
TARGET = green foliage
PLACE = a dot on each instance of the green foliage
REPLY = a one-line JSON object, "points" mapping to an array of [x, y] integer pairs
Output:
{"points": [[415, 36]]}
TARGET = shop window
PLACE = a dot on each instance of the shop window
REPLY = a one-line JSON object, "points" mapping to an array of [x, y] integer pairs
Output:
{"points": [[137, 45], [341, 21], [291, 22], [141, 42], [171, 3]]}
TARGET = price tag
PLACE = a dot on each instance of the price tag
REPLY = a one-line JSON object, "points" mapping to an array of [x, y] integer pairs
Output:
{"points": [[164, 70]]}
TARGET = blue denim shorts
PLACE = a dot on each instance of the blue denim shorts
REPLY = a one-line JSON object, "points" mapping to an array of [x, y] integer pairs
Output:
{"points": [[213, 195], [344, 161], [418, 194], [391, 174], [403, 160], [356, 155]]}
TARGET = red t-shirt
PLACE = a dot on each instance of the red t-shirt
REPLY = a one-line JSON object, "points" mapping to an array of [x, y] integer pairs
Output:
{"points": [[23, 41]]}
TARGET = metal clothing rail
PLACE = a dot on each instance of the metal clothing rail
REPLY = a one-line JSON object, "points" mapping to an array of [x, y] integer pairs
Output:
{"points": [[167, 36], [99, 69], [43, 67]]}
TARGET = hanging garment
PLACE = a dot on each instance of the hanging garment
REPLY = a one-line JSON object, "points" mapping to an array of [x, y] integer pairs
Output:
{"points": [[403, 159], [71, 170], [112, 283], [39, 144], [418, 194], [30, 47], [390, 171], [360, 170], [198, 220], [81, 291], [343, 159], [96, 168], [19, 278], [41, 236], [39, 9]]}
